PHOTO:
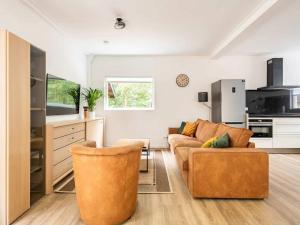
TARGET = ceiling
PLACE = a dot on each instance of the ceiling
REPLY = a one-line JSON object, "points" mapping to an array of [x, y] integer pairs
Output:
{"points": [[277, 31], [169, 27]]}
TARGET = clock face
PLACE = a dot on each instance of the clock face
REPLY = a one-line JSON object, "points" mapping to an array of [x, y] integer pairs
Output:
{"points": [[182, 80]]}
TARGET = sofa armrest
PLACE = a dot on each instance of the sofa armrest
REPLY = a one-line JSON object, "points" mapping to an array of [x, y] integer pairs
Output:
{"points": [[173, 130], [228, 173]]}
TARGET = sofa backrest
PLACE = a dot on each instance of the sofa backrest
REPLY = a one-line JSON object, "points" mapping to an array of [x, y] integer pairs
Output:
{"points": [[239, 137], [222, 129], [199, 127], [205, 130]]}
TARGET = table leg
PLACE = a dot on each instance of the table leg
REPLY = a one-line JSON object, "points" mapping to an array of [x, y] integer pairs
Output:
{"points": [[148, 160], [147, 151]]}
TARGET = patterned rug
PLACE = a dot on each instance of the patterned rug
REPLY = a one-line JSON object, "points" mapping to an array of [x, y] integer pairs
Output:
{"points": [[155, 181]]}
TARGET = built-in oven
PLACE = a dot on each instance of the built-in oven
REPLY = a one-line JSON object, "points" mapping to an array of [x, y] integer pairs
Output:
{"points": [[261, 128]]}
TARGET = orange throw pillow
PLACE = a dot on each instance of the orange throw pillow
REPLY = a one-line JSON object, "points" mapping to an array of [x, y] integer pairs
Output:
{"points": [[190, 129]]}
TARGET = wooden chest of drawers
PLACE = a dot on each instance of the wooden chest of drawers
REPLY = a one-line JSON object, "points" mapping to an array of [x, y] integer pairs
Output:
{"points": [[59, 140], [60, 137]]}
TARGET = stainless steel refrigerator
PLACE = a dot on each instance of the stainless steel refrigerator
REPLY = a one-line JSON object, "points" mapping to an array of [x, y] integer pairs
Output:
{"points": [[229, 102]]}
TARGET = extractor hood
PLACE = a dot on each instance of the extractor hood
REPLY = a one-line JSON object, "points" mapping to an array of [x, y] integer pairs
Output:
{"points": [[275, 75]]}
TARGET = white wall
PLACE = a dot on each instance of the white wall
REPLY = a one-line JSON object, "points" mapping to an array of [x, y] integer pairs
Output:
{"points": [[63, 57], [173, 104]]}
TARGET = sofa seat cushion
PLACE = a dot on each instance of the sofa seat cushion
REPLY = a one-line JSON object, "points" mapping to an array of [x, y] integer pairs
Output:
{"points": [[178, 136], [173, 139], [207, 131], [192, 143], [182, 156]]}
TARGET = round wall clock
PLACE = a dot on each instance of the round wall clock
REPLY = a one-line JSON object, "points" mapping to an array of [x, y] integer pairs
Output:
{"points": [[182, 80]]}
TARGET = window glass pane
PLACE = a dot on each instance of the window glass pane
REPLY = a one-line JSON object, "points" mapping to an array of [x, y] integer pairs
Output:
{"points": [[129, 94], [296, 99]]}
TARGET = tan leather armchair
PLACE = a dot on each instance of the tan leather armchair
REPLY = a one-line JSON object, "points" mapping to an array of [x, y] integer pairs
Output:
{"points": [[106, 182]]}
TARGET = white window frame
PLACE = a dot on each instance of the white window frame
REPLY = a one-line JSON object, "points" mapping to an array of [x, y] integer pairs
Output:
{"points": [[129, 80]]}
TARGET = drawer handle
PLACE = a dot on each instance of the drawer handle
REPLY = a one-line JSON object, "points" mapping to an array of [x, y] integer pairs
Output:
{"points": [[72, 138]]}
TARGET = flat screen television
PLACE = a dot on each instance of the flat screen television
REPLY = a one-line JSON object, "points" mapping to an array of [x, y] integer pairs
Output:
{"points": [[63, 96]]}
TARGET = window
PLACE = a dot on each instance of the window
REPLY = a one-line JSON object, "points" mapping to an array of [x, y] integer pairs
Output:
{"points": [[129, 94], [295, 98]]}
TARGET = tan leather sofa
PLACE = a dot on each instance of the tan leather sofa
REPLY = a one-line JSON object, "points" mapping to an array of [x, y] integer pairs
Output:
{"points": [[106, 182], [240, 171]]}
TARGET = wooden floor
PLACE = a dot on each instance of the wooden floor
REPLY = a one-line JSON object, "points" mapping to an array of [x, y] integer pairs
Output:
{"points": [[281, 208]]}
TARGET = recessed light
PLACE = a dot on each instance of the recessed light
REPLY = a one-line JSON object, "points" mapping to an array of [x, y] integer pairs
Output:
{"points": [[105, 42]]}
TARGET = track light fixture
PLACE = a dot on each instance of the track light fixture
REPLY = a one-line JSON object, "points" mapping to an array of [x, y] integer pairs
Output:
{"points": [[119, 24]]}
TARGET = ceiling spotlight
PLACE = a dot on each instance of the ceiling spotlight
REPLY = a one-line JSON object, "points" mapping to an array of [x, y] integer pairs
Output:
{"points": [[105, 42], [119, 24]]}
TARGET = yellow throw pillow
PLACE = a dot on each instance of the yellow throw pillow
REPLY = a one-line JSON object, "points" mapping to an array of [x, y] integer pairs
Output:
{"points": [[189, 129], [209, 142]]}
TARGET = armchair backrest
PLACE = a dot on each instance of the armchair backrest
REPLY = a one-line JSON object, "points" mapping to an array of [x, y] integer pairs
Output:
{"points": [[106, 182]]}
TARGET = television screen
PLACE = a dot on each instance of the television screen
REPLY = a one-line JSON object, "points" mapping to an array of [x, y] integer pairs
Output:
{"points": [[63, 96]]}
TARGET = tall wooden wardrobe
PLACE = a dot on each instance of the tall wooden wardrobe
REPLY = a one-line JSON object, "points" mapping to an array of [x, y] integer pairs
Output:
{"points": [[15, 129]]}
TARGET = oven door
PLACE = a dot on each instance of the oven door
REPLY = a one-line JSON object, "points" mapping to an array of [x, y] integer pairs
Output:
{"points": [[261, 131]]}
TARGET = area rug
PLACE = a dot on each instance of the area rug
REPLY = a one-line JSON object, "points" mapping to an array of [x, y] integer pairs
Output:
{"points": [[155, 181]]}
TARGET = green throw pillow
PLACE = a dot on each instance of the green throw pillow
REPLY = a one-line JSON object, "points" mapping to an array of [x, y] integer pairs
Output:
{"points": [[180, 129], [221, 142]]}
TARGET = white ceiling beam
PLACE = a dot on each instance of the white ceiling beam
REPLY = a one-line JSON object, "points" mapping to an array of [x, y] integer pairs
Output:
{"points": [[244, 25]]}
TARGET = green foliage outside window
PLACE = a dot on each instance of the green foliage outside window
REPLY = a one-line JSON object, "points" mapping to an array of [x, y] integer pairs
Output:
{"points": [[131, 95]]}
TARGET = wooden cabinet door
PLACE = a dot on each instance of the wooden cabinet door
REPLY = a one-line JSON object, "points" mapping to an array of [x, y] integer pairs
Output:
{"points": [[94, 131], [3, 134], [18, 114]]}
